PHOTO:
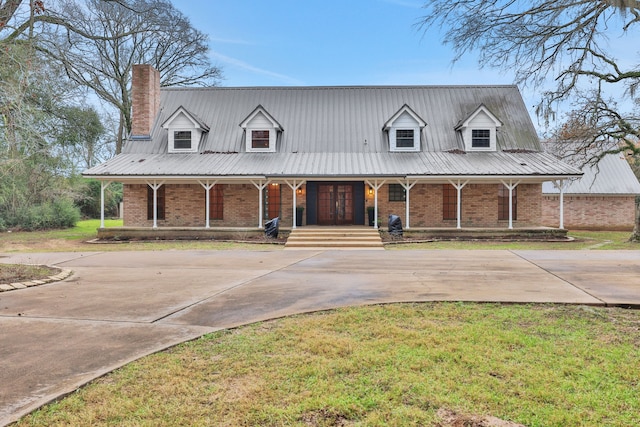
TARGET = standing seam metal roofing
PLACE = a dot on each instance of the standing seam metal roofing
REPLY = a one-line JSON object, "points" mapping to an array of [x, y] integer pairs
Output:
{"points": [[342, 119], [334, 164], [337, 131]]}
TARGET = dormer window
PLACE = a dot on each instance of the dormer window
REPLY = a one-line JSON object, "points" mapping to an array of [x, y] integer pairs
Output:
{"points": [[259, 139], [404, 130], [182, 140], [261, 131], [480, 138], [479, 130], [405, 138], [185, 131]]}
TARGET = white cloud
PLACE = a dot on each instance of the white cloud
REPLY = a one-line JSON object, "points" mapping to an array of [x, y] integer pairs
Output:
{"points": [[288, 80]]}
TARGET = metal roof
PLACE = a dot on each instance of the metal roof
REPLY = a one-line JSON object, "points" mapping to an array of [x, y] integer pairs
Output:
{"points": [[342, 119], [612, 175], [274, 165], [338, 131]]}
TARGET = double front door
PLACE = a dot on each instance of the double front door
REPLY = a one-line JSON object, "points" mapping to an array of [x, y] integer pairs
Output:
{"points": [[335, 203]]}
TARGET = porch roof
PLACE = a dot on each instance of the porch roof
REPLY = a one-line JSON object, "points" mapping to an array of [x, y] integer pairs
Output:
{"points": [[536, 165]]}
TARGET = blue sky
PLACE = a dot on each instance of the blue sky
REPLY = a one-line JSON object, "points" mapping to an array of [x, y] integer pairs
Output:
{"points": [[342, 42], [328, 42]]}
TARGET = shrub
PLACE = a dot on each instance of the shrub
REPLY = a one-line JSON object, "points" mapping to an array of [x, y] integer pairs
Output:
{"points": [[60, 213]]}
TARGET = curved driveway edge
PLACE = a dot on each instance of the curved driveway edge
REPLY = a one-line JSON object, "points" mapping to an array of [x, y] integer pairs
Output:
{"points": [[120, 306]]}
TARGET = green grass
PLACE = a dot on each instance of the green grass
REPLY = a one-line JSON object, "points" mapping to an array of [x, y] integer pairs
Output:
{"points": [[75, 240], [85, 229], [392, 365]]}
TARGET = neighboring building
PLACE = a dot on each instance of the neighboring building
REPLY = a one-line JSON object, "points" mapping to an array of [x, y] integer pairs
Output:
{"points": [[437, 156], [603, 199]]}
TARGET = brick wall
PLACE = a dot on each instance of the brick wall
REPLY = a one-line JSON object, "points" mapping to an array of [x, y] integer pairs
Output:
{"points": [[479, 206], [590, 212], [185, 206]]}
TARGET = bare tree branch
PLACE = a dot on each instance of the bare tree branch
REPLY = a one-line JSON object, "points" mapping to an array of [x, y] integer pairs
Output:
{"points": [[143, 31], [565, 41]]}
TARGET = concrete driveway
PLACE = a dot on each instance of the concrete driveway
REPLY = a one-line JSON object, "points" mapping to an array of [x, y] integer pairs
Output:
{"points": [[120, 306]]}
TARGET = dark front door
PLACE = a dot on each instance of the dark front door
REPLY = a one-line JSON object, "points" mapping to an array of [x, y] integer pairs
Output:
{"points": [[335, 203]]}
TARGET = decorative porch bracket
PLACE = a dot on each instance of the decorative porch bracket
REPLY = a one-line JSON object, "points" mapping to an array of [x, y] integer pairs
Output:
{"points": [[510, 186], [103, 186], [407, 185], [207, 185], [154, 186], [560, 184], [294, 185], [260, 185], [376, 185], [458, 185]]}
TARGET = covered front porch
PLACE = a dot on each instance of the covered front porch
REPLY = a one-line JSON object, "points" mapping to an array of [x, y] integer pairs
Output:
{"points": [[426, 205]]}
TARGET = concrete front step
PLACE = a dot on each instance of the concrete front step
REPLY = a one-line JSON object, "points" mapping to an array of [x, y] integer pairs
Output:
{"points": [[334, 238], [364, 238]]}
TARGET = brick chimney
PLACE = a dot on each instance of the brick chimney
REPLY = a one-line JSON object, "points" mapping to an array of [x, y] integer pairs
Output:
{"points": [[145, 99]]}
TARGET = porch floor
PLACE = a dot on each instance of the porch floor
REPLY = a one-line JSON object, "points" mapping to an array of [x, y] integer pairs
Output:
{"points": [[253, 234]]}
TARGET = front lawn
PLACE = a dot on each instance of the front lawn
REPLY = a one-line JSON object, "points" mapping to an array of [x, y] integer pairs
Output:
{"points": [[391, 365], [75, 240]]}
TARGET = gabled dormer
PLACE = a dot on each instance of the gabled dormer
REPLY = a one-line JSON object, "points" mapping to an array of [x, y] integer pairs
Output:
{"points": [[185, 131], [261, 131], [403, 129], [479, 130]]}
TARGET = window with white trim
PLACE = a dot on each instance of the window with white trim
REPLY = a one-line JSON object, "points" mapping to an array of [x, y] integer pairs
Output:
{"points": [[260, 139], [182, 140], [405, 138], [480, 138]]}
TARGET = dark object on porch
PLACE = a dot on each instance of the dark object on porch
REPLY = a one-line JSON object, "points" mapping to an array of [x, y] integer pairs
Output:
{"points": [[272, 227], [299, 212], [370, 214], [395, 225]]}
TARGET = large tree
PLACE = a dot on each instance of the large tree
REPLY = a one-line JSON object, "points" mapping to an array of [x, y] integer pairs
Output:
{"points": [[98, 41], [140, 31], [565, 42], [31, 168]]}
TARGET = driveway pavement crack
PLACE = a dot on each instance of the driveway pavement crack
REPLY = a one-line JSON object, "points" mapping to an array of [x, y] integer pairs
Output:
{"points": [[559, 277], [82, 255], [200, 301]]}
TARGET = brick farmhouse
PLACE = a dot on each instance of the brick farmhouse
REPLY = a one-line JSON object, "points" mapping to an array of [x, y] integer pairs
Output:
{"points": [[454, 157]]}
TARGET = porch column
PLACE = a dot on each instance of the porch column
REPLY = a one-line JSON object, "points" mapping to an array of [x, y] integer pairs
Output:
{"points": [[510, 186], [458, 185], [294, 186], [376, 186], [559, 184], [407, 185], [154, 186], [207, 187], [260, 185], [103, 186]]}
